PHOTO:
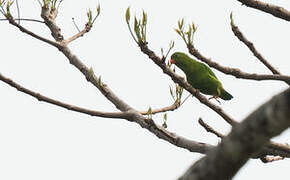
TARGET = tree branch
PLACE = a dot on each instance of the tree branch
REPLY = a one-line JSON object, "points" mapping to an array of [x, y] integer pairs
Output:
{"points": [[170, 137], [245, 139], [276, 11], [208, 128], [252, 48], [49, 15], [235, 71], [76, 36], [23, 29], [24, 19], [271, 149], [172, 107], [40, 97]]}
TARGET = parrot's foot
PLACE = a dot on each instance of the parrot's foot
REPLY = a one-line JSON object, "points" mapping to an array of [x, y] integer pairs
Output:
{"points": [[216, 98]]}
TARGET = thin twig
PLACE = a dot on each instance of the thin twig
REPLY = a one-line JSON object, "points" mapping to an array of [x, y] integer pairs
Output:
{"points": [[276, 11], [18, 11], [209, 128], [24, 19], [76, 36], [59, 4], [172, 107], [130, 30], [185, 99], [73, 19], [39, 3]]}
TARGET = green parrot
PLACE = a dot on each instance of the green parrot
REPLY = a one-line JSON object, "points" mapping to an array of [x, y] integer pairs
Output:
{"points": [[200, 76]]}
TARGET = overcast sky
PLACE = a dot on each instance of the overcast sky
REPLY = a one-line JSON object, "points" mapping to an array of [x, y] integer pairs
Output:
{"points": [[42, 141]]}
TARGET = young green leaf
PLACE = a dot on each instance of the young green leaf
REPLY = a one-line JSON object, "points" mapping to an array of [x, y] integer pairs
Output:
{"points": [[127, 15], [98, 9], [178, 31], [144, 19]]}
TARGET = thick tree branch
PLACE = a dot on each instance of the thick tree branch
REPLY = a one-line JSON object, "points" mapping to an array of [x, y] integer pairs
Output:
{"points": [[276, 11], [245, 139], [272, 148], [49, 15], [235, 71]]}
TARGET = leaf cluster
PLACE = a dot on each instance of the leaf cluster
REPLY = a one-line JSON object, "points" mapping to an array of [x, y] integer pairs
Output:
{"points": [[186, 35], [139, 34]]}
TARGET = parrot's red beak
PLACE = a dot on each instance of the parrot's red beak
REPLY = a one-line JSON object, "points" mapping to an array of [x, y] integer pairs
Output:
{"points": [[172, 61]]}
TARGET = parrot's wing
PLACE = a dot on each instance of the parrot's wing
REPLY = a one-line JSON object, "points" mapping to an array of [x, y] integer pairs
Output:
{"points": [[207, 69]]}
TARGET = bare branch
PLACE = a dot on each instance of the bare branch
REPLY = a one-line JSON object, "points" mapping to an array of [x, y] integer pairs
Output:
{"points": [[251, 46], [40, 97], [209, 128], [234, 71], [276, 11], [244, 140], [170, 137], [79, 34], [172, 107], [23, 29]]}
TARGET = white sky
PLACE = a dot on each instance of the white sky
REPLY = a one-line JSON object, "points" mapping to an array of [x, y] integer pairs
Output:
{"points": [[42, 141]]}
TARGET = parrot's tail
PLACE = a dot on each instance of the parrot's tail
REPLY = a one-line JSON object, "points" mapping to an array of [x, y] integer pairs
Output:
{"points": [[225, 95]]}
